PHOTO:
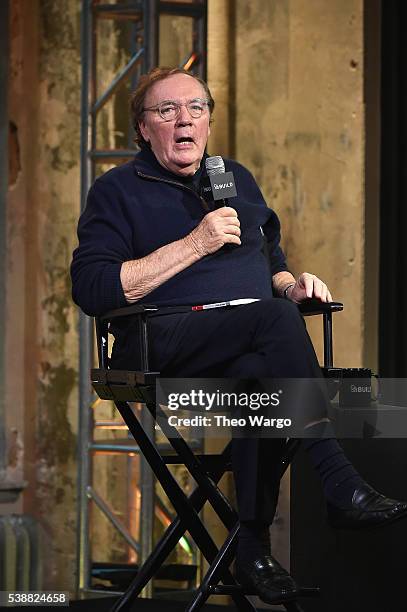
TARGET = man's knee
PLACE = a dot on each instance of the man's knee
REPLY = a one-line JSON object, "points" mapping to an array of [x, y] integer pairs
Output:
{"points": [[278, 311], [279, 323]]}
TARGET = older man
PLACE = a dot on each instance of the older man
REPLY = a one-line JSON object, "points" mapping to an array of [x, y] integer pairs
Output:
{"points": [[148, 236]]}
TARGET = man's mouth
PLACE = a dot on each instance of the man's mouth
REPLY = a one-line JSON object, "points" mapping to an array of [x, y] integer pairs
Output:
{"points": [[184, 140]]}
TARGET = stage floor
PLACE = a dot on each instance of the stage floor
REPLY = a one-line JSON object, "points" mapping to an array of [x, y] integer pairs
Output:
{"points": [[104, 604], [143, 605]]}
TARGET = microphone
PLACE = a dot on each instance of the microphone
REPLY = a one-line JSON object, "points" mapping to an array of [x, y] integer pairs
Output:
{"points": [[219, 185], [215, 165]]}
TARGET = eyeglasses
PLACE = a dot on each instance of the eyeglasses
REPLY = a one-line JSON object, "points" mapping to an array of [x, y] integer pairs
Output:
{"points": [[169, 109]]}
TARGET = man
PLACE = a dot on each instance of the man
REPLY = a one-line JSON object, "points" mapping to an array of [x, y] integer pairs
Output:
{"points": [[148, 236]]}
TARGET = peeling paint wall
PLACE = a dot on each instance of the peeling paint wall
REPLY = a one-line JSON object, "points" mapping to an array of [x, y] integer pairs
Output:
{"points": [[299, 128], [221, 71], [41, 320], [58, 186]]}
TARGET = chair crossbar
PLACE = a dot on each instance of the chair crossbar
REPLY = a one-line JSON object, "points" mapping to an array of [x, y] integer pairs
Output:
{"points": [[198, 471], [178, 499], [167, 542]]}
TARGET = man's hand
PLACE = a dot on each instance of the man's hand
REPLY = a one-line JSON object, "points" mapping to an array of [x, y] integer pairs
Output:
{"points": [[217, 228], [308, 286]]}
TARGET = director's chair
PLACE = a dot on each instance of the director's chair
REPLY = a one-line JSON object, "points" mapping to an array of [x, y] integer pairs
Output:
{"points": [[124, 387]]}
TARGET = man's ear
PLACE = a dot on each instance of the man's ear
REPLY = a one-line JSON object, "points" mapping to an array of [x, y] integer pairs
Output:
{"points": [[144, 130]]}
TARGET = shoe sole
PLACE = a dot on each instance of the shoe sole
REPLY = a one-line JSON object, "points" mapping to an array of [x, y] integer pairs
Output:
{"points": [[368, 526], [250, 591]]}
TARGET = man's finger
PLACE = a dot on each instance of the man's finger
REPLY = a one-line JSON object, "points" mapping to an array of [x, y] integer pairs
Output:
{"points": [[309, 286], [318, 289], [231, 221], [232, 229], [226, 211], [324, 293], [231, 238]]}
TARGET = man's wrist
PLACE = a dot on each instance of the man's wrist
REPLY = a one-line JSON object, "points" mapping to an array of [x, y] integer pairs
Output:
{"points": [[193, 245], [287, 291]]}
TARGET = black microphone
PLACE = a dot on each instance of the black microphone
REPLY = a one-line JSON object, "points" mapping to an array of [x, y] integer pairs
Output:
{"points": [[219, 185]]}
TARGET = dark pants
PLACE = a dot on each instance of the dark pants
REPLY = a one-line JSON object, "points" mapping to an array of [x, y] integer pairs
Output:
{"points": [[260, 340]]}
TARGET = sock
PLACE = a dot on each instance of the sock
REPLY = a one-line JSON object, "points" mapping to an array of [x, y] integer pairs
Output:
{"points": [[254, 542], [338, 476]]}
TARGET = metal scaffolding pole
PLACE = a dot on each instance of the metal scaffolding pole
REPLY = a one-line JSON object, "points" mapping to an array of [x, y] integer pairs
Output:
{"points": [[143, 15], [85, 323]]}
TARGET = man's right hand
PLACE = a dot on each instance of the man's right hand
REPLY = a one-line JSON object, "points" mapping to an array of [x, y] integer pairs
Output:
{"points": [[217, 228]]}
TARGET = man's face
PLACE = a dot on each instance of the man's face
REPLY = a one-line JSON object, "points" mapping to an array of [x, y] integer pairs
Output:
{"points": [[166, 137]]}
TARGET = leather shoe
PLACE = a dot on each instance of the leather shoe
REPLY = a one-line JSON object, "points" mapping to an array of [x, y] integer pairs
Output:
{"points": [[369, 509], [267, 579]]}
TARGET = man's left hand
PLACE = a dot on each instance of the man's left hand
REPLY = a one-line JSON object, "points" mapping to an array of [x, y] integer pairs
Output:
{"points": [[309, 286]]}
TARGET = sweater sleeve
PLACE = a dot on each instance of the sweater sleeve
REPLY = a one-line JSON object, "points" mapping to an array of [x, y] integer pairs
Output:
{"points": [[272, 234], [105, 238]]}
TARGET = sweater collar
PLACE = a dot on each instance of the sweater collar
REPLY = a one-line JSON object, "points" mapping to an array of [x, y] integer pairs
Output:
{"points": [[146, 163]]}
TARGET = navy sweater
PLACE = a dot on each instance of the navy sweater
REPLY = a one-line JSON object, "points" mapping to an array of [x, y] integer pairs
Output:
{"points": [[138, 207]]}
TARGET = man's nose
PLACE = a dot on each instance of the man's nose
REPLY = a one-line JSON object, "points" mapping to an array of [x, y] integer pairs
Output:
{"points": [[184, 118]]}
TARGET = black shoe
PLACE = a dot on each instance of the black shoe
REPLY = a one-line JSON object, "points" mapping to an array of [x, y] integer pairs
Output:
{"points": [[268, 580], [369, 509]]}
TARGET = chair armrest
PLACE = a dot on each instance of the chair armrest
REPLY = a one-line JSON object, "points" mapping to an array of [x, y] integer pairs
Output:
{"points": [[102, 326], [307, 308], [134, 309], [315, 307]]}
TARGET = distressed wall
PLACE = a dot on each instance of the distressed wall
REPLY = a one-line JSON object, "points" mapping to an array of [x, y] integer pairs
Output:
{"points": [[41, 338], [300, 129], [221, 48]]}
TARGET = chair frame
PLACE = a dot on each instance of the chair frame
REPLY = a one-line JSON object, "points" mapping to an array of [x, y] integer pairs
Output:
{"points": [[123, 387]]}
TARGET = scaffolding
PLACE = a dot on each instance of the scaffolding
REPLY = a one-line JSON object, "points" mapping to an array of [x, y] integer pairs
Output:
{"points": [[143, 19]]}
